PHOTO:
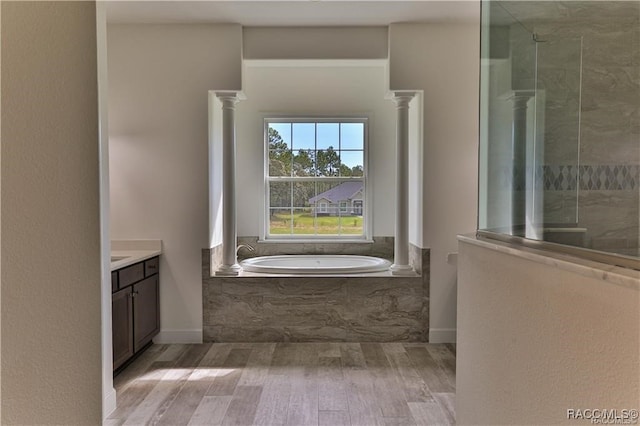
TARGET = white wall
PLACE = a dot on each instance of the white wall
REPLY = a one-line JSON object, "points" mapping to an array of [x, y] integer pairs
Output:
{"points": [[535, 340], [0, 217], [443, 60], [108, 392], [159, 78], [51, 276], [314, 88]]}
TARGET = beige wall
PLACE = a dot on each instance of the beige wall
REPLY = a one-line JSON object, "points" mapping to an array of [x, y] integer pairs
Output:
{"points": [[159, 78], [535, 340], [51, 351], [315, 42], [443, 61]]}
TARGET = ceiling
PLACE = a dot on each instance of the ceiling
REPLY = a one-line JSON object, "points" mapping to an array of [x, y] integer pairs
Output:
{"points": [[293, 12]]}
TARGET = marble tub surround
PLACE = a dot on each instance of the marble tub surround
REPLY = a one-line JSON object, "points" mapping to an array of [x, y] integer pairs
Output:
{"points": [[312, 309], [276, 308], [133, 251], [380, 247]]}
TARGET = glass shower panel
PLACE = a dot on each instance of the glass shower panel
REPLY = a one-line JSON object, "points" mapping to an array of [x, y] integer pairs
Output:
{"points": [[557, 146], [507, 121], [559, 126]]}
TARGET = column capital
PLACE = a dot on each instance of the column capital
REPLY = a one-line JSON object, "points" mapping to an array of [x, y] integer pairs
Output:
{"points": [[402, 98], [230, 97], [519, 95]]}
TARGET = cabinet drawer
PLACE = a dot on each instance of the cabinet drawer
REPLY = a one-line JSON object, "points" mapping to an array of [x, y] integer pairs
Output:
{"points": [[151, 267], [114, 281], [130, 275]]}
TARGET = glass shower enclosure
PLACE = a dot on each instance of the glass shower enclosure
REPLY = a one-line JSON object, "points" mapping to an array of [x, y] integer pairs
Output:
{"points": [[560, 126]]}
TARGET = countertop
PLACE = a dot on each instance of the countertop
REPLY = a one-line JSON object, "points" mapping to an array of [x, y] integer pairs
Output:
{"points": [[133, 251], [613, 274]]}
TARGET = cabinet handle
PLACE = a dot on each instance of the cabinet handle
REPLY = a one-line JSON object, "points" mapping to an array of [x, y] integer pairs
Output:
{"points": [[134, 293]]}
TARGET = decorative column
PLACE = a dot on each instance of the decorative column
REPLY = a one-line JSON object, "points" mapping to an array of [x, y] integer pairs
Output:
{"points": [[520, 99], [401, 240], [229, 231]]}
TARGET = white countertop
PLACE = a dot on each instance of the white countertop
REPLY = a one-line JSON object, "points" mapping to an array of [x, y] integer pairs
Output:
{"points": [[133, 251]]}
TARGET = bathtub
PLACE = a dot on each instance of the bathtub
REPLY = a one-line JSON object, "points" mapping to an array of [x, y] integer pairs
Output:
{"points": [[315, 264]]}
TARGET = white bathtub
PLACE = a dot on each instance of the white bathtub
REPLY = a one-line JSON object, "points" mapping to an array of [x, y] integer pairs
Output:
{"points": [[315, 264]]}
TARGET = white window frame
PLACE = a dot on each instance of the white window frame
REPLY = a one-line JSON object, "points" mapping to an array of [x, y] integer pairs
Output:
{"points": [[367, 214]]}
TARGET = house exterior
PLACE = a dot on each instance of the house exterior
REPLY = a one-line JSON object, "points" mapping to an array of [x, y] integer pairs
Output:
{"points": [[345, 199]]}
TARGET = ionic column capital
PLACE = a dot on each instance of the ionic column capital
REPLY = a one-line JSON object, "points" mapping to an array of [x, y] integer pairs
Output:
{"points": [[520, 97], [402, 99], [229, 98]]}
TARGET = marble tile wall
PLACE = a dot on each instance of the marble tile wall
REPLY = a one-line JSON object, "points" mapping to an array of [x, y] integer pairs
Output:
{"points": [[589, 67], [295, 309], [381, 247]]}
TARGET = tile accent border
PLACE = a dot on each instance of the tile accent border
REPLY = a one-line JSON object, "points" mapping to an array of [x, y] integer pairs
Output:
{"points": [[609, 178], [620, 177]]}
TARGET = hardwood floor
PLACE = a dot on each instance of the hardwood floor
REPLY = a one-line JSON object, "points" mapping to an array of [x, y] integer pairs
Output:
{"points": [[289, 384]]}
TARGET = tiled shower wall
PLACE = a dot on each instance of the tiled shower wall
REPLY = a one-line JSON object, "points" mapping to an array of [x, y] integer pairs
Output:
{"points": [[331, 308], [589, 67]]}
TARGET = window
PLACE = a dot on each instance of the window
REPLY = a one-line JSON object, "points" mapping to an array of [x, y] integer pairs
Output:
{"points": [[316, 177]]}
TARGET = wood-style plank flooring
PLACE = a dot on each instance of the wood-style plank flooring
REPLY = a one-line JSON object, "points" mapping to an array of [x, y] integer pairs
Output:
{"points": [[297, 384]]}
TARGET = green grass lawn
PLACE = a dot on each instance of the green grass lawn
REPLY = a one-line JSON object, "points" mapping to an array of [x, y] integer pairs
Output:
{"points": [[306, 224]]}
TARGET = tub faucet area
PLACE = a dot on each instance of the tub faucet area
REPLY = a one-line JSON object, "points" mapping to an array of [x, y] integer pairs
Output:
{"points": [[246, 246]]}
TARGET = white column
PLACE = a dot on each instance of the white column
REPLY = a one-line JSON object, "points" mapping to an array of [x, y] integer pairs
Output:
{"points": [[401, 240], [229, 232], [520, 99]]}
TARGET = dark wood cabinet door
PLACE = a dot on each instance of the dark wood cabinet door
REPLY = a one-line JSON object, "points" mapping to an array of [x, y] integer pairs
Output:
{"points": [[114, 281], [122, 326], [145, 311]]}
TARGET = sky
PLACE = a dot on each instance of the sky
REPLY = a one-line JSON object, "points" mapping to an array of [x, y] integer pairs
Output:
{"points": [[346, 137]]}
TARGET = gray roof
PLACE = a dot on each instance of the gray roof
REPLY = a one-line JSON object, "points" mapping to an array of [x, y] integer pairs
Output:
{"points": [[344, 191]]}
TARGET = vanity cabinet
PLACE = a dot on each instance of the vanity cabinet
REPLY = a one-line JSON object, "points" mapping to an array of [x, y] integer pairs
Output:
{"points": [[135, 309], [122, 326]]}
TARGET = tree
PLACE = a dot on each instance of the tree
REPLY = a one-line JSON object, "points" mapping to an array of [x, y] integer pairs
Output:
{"points": [[279, 155], [282, 162], [328, 162], [279, 165]]}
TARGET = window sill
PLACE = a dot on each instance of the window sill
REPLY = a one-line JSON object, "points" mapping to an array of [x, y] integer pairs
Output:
{"points": [[313, 241]]}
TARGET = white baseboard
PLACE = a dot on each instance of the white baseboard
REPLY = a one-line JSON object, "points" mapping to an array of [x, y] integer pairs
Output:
{"points": [[108, 403], [442, 335], [178, 336]]}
